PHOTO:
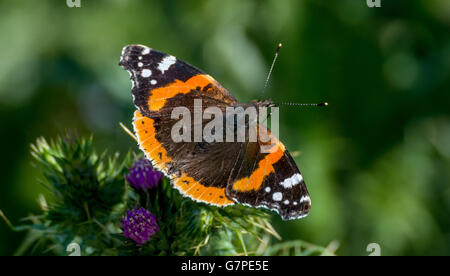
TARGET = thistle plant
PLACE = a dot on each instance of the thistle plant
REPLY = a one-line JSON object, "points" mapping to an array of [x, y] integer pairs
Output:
{"points": [[139, 225], [112, 205]]}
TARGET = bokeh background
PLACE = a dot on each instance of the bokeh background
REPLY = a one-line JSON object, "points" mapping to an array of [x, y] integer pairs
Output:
{"points": [[376, 161]]}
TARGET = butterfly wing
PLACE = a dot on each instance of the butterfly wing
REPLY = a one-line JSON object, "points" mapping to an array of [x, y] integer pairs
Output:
{"points": [[160, 83], [157, 77], [270, 180], [198, 170]]}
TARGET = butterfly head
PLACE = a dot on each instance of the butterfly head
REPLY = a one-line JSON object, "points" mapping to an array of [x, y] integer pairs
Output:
{"points": [[264, 103]]}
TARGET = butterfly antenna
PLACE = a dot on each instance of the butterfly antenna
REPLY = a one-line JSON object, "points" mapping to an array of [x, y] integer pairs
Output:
{"points": [[271, 68], [268, 78], [303, 104]]}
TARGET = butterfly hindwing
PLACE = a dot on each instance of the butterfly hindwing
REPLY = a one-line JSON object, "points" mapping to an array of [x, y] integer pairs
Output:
{"points": [[270, 180], [160, 83]]}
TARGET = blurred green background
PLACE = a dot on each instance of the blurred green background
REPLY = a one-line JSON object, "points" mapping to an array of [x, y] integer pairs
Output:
{"points": [[376, 161]]}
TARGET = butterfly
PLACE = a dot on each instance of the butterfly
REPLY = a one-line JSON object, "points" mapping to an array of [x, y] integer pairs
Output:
{"points": [[216, 173]]}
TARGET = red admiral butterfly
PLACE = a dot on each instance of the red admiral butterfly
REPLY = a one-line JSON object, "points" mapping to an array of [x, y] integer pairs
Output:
{"points": [[216, 173]]}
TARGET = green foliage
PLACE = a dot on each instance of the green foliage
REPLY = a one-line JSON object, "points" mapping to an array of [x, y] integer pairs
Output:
{"points": [[90, 196], [86, 188], [190, 228], [84, 185]]}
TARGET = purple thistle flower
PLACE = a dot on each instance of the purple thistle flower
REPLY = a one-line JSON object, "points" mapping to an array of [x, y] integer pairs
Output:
{"points": [[142, 176], [139, 225]]}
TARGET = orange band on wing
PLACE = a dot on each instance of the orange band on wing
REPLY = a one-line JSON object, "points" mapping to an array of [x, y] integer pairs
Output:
{"points": [[159, 95], [145, 132], [265, 167], [213, 195]]}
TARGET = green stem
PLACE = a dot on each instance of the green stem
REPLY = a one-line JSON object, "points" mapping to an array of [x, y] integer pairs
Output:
{"points": [[241, 240], [2, 215]]}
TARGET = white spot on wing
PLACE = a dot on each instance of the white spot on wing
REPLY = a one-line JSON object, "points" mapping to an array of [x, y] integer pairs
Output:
{"points": [[153, 82], [304, 199], [286, 202], [123, 52], [267, 189], [146, 51], [277, 196], [146, 73], [166, 62], [140, 64], [292, 181]]}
